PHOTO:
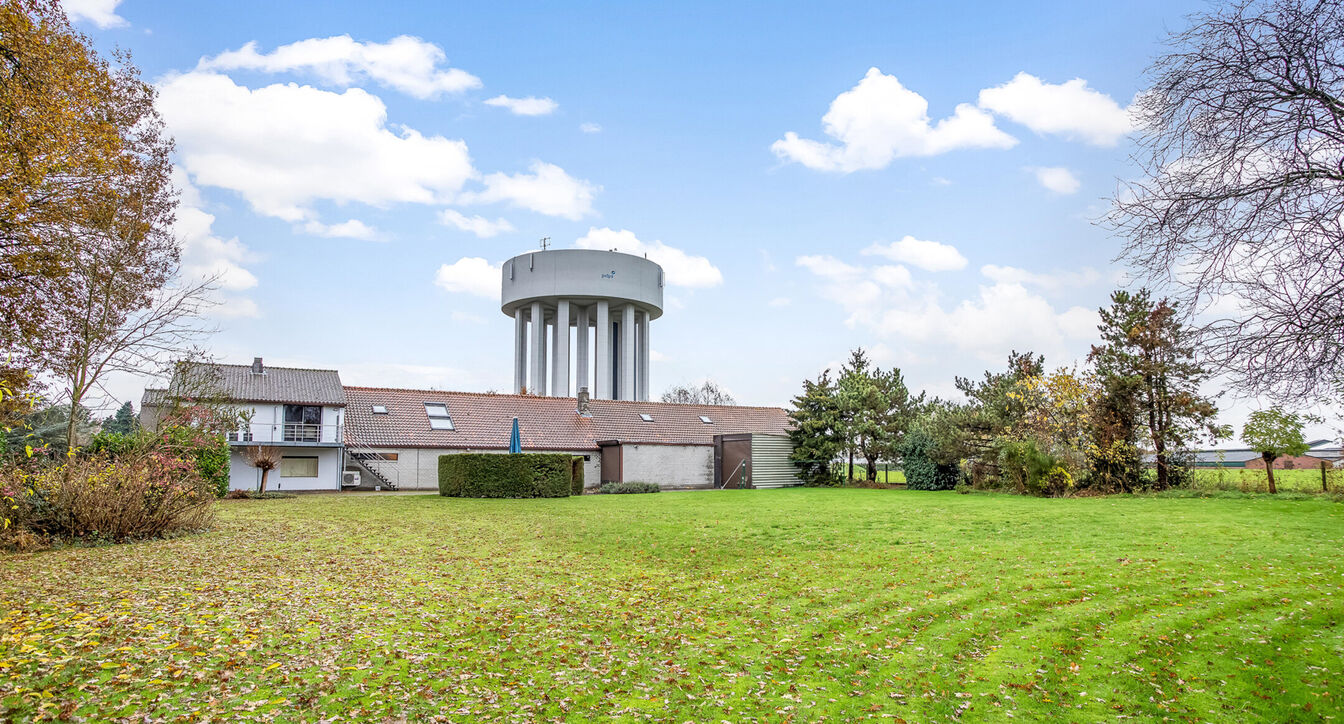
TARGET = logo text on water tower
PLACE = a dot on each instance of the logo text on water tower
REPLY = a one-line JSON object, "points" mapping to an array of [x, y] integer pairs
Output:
{"points": [[612, 275]]}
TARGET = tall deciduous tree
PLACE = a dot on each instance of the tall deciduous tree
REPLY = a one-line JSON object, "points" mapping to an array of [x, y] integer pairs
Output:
{"points": [[1241, 141], [706, 393], [1147, 346], [816, 433], [1274, 434]]}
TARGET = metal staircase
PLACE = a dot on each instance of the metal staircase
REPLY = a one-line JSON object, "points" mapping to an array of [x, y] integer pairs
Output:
{"points": [[367, 460]]}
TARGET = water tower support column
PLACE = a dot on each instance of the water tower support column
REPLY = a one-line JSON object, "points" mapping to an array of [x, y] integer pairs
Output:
{"points": [[519, 350], [643, 356], [560, 371], [627, 386], [536, 382], [602, 349], [581, 378]]}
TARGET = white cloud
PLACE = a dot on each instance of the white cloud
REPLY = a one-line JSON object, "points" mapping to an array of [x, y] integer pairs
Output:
{"points": [[234, 307], [285, 146], [406, 63], [351, 229], [478, 225], [102, 13], [470, 275], [547, 190], [1053, 281], [927, 255], [205, 255], [466, 317], [861, 291], [1002, 317], [780, 302], [1070, 109], [682, 269], [1056, 178], [529, 106], [590, 127], [880, 120]]}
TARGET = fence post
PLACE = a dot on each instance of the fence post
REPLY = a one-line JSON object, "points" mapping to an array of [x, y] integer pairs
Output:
{"points": [[1324, 487]]}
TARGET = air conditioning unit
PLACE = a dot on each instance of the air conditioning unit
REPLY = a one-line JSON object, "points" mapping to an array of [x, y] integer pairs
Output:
{"points": [[350, 479]]}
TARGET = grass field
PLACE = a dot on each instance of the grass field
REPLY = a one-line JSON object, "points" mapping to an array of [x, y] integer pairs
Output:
{"points": [[706, 606]]}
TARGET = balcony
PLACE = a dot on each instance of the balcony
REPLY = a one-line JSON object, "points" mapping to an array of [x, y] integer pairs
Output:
{"points": [[287, 433]]}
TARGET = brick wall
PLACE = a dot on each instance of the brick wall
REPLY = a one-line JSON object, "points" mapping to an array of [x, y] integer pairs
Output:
{"points": [[1301, 462]]}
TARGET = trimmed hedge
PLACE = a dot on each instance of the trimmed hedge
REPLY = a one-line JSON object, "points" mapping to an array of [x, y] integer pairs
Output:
{"points": [[576, 482], [628, 488], [491, 475]]}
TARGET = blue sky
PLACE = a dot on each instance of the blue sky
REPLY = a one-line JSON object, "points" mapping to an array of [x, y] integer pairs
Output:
{"points": [[356, 169]]}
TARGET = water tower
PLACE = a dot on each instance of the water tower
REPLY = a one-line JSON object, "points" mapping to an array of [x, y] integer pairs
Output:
{"points": [[611, 295]]}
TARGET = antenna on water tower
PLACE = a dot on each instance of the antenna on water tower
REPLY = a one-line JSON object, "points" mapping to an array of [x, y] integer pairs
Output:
{"points": [[545, 243]]}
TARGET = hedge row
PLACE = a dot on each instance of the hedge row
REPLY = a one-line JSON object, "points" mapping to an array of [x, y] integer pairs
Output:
{"points": [[523, 475]]}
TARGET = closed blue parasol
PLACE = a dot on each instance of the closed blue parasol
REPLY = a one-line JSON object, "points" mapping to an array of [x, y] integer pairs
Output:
{"points": [[515, 440]]}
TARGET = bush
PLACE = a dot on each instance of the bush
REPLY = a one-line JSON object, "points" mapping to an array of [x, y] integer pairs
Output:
{"points": [[254, 495], [576, 476], [922, 471], [132, 497], [1033, 471], [628, 488], [208, 451], [522, 475]]}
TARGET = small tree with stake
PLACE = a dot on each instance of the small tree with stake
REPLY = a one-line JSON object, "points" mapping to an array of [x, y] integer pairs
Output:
{"points": [[264, 458], [1274, 434]]}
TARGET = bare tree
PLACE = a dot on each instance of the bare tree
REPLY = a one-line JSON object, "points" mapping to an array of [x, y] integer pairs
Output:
{"points": [[706, 393], [1238, 216], [264, 458]]}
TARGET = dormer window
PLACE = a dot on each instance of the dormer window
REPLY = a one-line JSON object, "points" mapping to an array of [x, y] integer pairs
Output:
{"points": [[380, 409], [646, 417], [437, 412], [705, 419]]}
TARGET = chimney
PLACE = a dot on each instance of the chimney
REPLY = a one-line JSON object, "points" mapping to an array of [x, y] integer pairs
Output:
{"points": [[583, 402], [257, 369]]}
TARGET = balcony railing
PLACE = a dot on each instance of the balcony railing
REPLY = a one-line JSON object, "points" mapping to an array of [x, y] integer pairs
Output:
{"points": [[294, 433]]}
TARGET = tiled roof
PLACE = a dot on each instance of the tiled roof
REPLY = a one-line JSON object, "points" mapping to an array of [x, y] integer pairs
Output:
{"points": [[545, 423], [276, 384], [153, 397], [681, 424]]}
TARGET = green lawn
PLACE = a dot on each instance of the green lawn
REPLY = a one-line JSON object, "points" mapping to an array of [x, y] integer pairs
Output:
{"points": [[699, 606]]}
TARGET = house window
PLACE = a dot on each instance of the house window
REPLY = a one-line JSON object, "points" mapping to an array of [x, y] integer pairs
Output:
{"points": [[437, 412], [646, 417], [298, 467], [705, 419], [380, 409], [303, 423]]}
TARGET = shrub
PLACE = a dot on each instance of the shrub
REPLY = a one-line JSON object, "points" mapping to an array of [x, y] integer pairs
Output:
{"points": [[522, 475], [132, 497], [576, 476], [254, 495], [208, 451], [628, 488], [1034, 471], [922, 471]]}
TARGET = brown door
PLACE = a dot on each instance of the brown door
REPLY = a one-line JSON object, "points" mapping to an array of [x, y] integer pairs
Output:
{"points": [[611, 463], [736, 465]]}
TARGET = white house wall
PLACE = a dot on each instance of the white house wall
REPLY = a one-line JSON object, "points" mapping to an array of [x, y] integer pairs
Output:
{"points": [[418, 468], [670, 466], [243, 476]]}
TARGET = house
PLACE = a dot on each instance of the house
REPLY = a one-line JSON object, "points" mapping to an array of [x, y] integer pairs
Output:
{"points": [[299, 411], [336, 436]]}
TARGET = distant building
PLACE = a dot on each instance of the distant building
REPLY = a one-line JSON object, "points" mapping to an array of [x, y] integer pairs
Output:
{"points": [[1244, 457]]}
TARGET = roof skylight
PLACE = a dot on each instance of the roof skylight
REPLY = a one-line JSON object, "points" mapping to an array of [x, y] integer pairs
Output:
{"points": [[705, 419], [437, 412], [380, 409], [646, 417]]}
